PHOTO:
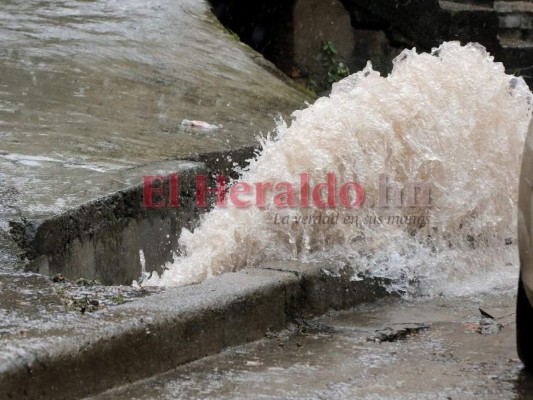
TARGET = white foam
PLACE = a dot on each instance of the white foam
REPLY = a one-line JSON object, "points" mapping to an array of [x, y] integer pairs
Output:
{"points": [[452, 119]]}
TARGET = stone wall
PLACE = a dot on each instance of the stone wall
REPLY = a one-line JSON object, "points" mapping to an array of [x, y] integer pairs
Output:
{"points": [[292, 31]]}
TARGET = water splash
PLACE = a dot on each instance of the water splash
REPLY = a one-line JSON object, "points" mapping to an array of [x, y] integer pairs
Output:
{"points": [[451, 119]]}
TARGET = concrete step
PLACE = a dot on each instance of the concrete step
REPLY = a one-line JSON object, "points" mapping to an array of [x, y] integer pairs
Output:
{"points": [[458, 5], [516, 33], [472, 3], [518, 58], [520, 21], [515, 21], [515, 37], [470, 21], [510, 44], [513, 6], [73, 355]]}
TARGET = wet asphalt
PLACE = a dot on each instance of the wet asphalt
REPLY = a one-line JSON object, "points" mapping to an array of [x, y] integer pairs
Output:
{"points": [[409, 349]]}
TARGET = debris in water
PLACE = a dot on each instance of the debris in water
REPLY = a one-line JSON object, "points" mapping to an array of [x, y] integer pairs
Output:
{"points": [[485, 314], [253, 363], [199, 125], [58, 278], [87, 282], [395, 334], [88, 296], [489, 326], [312, 327]]}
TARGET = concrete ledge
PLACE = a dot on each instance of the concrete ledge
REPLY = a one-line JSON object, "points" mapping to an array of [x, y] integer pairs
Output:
{"points": [[323, 287], [151, 335], [101, 239]]}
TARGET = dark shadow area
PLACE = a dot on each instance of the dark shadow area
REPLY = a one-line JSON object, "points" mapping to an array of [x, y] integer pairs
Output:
{"points": [[298, 35], [264, 26], [315, 42], [524, 385]]}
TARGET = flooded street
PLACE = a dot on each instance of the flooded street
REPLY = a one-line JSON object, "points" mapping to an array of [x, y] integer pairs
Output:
{"points": [[339, 356], [103, 104]]}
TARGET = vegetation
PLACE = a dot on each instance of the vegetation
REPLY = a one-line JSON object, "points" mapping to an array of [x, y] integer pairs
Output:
{"points": [[337, 70]]}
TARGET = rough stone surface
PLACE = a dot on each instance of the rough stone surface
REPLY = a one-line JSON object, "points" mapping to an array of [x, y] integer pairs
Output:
{"points": [[314, 22]]}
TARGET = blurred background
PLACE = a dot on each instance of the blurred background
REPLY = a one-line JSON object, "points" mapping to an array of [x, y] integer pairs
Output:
{"points": [[320, 41]]}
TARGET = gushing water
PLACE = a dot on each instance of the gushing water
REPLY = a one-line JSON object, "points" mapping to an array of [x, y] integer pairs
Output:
{"points": [[450, 122]]}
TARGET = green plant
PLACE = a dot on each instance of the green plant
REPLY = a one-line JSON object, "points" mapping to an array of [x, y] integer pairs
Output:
{"points": [[328, 49], [233, 35], [119, 299], [337, 70]]}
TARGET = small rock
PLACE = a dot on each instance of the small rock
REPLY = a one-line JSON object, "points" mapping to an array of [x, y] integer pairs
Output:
{"points": [[270, 334], [58, 278], [86, 282], [395, 334]]}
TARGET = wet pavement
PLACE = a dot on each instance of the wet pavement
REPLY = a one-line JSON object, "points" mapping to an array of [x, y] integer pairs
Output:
{"points": [[440, 349], [88, 88], [93, 96]]}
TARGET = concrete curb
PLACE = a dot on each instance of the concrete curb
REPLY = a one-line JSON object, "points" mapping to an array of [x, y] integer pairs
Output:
{"points": [[159, 332], [101, 239], [92, 352]]}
